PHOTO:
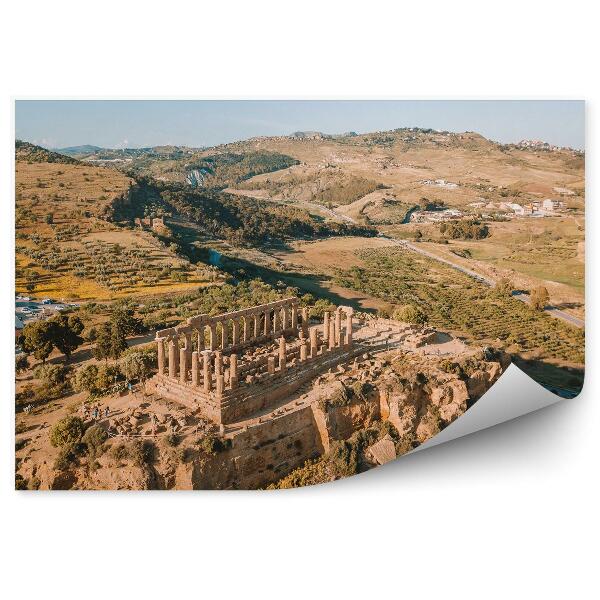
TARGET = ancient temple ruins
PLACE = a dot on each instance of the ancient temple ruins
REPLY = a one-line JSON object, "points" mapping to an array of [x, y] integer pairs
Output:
{"points": [[231, 366]]}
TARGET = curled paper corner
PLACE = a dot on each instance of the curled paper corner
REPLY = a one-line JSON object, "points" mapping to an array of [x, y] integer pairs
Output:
{"points": [[513, 395]]}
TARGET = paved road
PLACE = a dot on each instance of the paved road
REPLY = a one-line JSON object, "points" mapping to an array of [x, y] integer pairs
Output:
{"points": [[551, 310]]}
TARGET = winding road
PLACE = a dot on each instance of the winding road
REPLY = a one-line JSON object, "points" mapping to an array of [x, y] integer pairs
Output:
{"points": [[551, 310]]}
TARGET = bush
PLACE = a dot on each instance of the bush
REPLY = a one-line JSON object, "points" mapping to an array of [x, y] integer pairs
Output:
{"points": [[410, 313], [67, 432], [538, 298], [94, 439], [21, 363], [85, 378], [172, 439], [51, 375], [142, 452], [65, 459], [320, 308], [213, 444]]}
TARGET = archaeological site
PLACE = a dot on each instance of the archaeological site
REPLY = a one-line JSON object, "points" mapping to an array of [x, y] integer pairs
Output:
{"points": [[274, 396]]}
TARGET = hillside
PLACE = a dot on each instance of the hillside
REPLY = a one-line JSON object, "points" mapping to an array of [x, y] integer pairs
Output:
{"points": [[24, 151], [66, 247]]}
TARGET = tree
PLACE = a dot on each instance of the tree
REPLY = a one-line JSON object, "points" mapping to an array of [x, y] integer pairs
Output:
{"points": [[36, 339], [21, 363], [137, 365], [52, 376], [65, 333], [409, 313], [103, 342], [108, 375], [94, 438], [503, 287], [85, 378], [110, 342], [539, 297], [67, 432], [124, 320], [417, 235]]}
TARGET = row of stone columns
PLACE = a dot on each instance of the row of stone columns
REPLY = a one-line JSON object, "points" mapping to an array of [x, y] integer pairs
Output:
{"points": [[183, 361], [252, 326], [332, 328]]}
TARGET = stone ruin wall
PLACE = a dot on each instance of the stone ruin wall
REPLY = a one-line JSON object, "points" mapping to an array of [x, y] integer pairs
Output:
{"points": [[249, 359]]}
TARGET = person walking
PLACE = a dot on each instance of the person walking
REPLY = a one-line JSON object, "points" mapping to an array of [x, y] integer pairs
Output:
{"points": [[95, 412], [106, 412]]}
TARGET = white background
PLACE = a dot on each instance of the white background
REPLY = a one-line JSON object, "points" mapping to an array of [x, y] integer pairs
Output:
{"points": [[507, 513]]}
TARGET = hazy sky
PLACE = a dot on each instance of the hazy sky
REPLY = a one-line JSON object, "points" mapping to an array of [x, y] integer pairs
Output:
{"points": [[136, 123]]}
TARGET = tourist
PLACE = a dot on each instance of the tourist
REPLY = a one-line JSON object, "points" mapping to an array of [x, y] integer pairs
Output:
{"points": [[106, 412], [95, 412]]}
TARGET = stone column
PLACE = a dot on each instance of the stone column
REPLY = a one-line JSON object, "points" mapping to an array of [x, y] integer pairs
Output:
{"points": [[212, 337], [282, 364], [276, 325], [233, 371], [284, 318], [314, 342], [246, 332], [267, 329], [235, 333], [188, 347], [326, 327], [256, 324], [195, 370], [338, 327], [349, 329], [220, 385], [172, 359], [183, 354], [331, 339], [305, 321], [207, 377], [201, 339], [224, 335], [303, 351], [294, 317], [160, 349], [271, 365], [218, 364]]}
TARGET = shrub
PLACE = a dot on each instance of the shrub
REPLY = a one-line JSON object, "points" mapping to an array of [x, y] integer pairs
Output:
{"points": [[67, 432], [212, 444], [65, 459], [51, 375], [538, 298], [94, 439], [142, 452], [409, 313], [21, 363], [172, 439], [85, 378]]}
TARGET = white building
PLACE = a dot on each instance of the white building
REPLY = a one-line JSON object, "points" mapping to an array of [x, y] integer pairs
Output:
{"points": [[552, 205]]}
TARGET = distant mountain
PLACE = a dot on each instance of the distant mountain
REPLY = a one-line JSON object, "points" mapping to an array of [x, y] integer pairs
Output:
{"points": [[78, 150], [31, 153]]}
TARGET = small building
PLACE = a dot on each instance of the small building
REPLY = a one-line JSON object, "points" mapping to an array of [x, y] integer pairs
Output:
{"points": [[552, 205]]}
